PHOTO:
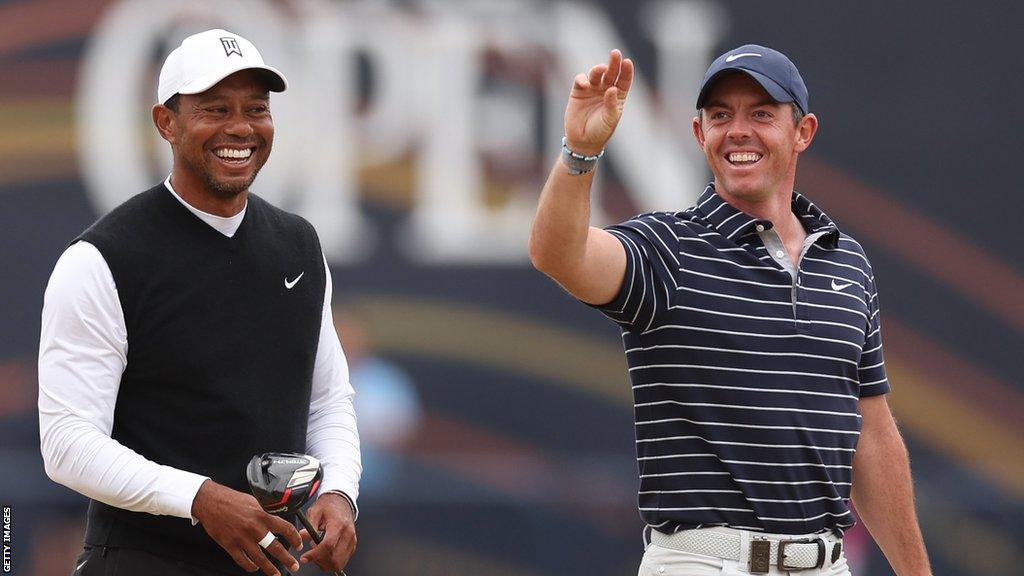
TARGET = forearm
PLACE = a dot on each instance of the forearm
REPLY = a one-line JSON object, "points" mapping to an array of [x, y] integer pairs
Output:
{"points": [[558, 240], [77, 455], [884, 496], [333, 439], [331, 433], [83, 348]]}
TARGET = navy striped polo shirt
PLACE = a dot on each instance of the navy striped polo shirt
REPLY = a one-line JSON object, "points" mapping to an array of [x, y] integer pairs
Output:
{"points": [[746, 376]]}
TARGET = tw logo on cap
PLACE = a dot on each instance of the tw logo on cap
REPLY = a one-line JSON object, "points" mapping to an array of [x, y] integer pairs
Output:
{"points": [[231, 46]]}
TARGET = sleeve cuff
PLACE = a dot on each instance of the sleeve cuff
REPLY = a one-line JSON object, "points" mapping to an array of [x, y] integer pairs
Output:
{"points": [[183, 490], [351, 502]]}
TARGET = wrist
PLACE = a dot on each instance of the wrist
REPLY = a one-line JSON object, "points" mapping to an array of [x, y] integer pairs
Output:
{"points": [[582, 148], [199, 500], [346, 501], [579, 162]]}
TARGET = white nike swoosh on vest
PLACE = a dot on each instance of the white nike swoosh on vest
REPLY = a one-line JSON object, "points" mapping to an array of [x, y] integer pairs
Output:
{"points": [[289, 285], [838, 287], [79, 567], [736, 56]]}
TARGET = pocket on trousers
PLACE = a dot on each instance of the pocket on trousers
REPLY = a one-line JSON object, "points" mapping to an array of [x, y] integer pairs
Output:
{"points": [[840, 568], [96, 561], [86, 563], [660, 561]]}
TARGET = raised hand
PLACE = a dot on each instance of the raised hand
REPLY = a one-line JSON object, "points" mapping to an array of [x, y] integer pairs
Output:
{"points": [[595, 104], [237, 523]]}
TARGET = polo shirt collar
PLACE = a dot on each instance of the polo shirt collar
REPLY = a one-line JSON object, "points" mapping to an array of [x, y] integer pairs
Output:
{"points": [[733, 223]]}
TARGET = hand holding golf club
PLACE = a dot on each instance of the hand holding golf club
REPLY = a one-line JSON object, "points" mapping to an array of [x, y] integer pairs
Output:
{"points": [[237, 522], [282, 483], [333, 515]]}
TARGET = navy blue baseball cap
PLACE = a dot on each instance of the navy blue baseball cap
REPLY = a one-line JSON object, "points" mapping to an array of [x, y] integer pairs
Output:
{"points": [[770, 68]]}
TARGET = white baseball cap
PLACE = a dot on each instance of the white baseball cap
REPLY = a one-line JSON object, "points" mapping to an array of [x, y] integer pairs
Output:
{"points": [[208, 57]]}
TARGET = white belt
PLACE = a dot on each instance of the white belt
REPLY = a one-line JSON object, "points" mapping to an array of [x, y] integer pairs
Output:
{"points": [[764, 550]]}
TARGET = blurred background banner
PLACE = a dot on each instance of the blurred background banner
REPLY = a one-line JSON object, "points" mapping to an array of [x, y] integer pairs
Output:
{"points": [[495, 410]]}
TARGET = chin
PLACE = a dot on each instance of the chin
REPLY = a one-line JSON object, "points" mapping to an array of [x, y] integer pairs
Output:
{"points": [[229, 188], [746, 189]]}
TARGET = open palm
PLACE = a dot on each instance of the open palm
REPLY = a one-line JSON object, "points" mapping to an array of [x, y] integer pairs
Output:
{"points": [[595, 104]]}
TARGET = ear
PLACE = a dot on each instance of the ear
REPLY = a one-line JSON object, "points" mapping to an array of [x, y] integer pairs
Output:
{"points": [[805, 132], [698, 131], [165, 121]]}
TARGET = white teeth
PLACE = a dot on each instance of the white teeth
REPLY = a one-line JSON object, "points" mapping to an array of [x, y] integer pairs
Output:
{"points": [[232, 153], [744, 157]]}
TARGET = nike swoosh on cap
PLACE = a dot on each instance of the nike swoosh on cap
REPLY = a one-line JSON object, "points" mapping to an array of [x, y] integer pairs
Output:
{"points": [[737, 56]]}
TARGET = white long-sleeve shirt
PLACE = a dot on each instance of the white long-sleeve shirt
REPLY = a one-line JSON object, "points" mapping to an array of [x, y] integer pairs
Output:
{"points": [[83, 351]]}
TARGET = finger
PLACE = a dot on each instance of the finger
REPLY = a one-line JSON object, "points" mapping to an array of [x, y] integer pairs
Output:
{"points": [[243, 561], [317, 554], [277, 550], [625, 77], [255, 553], [322, 552], [580, 82], [339, 552], [346, 547], [597, 74], [287, 529], [614, 63]]}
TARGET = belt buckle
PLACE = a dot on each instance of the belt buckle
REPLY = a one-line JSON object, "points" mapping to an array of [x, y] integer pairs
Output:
{"points": [[781, 561], [760, 555]]}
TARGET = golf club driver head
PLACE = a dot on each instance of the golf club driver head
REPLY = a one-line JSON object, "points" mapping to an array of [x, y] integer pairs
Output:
{"points": [[281, 482]]}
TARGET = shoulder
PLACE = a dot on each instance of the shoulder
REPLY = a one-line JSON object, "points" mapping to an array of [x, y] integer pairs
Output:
{"points": [[297, 232], [80, 275], [664, 225], [279, 217], [130, 217], [80, 260], [853, 253]]}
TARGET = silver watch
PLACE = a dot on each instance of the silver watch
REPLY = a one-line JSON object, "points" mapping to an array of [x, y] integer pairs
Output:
{"points": [[578, 163]]}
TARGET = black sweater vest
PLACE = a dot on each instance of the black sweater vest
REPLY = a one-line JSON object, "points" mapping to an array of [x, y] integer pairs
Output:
{"points": [[220, 351]]}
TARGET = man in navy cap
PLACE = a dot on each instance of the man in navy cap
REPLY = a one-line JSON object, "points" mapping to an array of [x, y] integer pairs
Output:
{"points": [[752, 334]]}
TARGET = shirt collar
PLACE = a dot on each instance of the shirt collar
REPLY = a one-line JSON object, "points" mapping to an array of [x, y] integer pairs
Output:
{"points": [[733, 223]]}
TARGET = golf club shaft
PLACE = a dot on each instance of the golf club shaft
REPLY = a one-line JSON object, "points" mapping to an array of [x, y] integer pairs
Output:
{"points": [[313, 533]]}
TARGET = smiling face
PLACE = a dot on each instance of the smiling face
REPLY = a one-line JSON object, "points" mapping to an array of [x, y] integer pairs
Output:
{"points": [[221, 137], [750, 140]]}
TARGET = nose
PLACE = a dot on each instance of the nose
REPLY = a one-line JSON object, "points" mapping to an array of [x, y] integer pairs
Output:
{"points": [[739, 129], [238, 125]]}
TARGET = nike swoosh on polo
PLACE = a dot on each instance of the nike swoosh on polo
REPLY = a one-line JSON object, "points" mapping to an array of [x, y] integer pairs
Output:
{"points": [[289, 285], [838, 287], [79, 567], [737, 56]]}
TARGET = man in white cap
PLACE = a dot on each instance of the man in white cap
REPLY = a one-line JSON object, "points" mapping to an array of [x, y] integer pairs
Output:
{"points": [[189, 330]]}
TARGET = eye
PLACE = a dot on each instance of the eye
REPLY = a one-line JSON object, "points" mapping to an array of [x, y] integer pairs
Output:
{"points": [[762, 114], [718, 115], [260, 109]]}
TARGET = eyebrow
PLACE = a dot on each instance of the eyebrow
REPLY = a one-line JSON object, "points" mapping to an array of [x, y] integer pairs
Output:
{"points": [[758, 104], [206, 98]]}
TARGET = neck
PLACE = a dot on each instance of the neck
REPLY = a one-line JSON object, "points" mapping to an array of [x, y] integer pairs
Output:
{"points": [[776, 207], [195, 191]]}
